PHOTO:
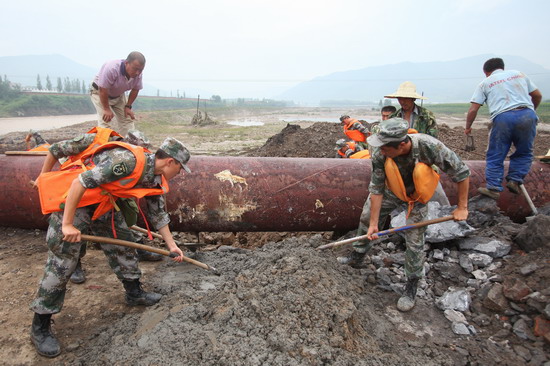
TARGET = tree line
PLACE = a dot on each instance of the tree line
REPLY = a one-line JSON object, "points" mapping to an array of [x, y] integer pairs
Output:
{"points": [[8, 90], [65, 85]]}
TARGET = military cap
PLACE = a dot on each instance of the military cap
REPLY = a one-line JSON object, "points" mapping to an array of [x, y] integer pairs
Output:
{"points": [[176, 150], [393, 129], [136, 137], [343, 117]]}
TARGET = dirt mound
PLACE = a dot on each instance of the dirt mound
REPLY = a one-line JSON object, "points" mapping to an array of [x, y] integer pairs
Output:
{"points": [[283, 304], [319, 141], [316, 141]]}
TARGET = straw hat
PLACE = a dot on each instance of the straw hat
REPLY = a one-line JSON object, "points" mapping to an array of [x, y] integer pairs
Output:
{"points": [[406, 90]]}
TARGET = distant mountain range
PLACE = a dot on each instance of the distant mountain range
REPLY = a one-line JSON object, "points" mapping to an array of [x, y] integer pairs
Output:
{"points": [[446, 81], [441, 82]]}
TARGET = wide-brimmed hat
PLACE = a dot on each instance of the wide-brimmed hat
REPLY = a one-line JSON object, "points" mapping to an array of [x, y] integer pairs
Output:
{"points": [[406, 90], [393, 129]]}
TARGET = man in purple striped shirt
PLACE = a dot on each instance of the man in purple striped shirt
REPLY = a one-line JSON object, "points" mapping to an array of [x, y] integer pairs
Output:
{"points": [[108, 90]]}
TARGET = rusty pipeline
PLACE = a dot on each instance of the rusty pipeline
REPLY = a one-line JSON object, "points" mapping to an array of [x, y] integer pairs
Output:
{"points": [[259, 194]]}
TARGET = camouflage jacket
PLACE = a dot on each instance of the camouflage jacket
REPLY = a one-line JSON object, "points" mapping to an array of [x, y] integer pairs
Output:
{"points": [[114, 164], [63, 149], [427, 150], [423, 122]]}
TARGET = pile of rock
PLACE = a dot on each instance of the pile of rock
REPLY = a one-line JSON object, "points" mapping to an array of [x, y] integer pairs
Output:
{"points": [[489, 276]]}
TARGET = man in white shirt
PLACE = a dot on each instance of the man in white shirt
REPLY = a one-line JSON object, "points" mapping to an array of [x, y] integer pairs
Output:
{"points": [[512, 99]]}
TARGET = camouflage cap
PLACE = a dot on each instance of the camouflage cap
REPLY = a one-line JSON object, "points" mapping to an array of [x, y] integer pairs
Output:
{"points": [[136, 137], [343, 117], [393, 129], [176, 150]]}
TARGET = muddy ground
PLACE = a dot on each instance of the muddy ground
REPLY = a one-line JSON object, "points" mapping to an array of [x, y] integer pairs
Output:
{"points": [[279, 301]]}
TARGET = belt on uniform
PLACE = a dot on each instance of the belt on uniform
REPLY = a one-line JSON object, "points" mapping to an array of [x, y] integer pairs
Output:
{"points": [[94, 85], [519, 108]]}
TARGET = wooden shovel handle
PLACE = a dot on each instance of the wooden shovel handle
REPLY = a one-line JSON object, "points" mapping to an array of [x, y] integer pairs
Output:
{"points": [[125, 243]]}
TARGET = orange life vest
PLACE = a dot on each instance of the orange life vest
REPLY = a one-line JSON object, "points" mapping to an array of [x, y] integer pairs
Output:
{"points": [[424, 177], [363, 154], [354, 135], [53, 187], [352, 145], [102, 135]]}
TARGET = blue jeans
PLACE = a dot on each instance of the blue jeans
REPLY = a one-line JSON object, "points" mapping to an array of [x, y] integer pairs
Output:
{"points": [[518, 127]]}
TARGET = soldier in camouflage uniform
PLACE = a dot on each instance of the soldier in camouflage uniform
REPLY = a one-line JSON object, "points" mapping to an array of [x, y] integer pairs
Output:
{"points": [[64, 232], [406, 150], [348, 148], [418, 117], [355, 130], [61, 150]]}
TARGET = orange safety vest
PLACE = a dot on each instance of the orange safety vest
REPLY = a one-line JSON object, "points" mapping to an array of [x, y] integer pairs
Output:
{"points": [[53, 187], [351, 145], [354, 135], [424, 177], [102, 135]]}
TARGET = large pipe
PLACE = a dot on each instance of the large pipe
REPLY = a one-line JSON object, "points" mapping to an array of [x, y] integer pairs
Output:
{"points": [[258, 194]]}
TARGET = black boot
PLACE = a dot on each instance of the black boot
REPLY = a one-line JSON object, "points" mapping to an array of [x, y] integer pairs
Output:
{"points": [[42, 337], [144, 255], [136, 296], [78, 276], [407, 301], [354, 259]]}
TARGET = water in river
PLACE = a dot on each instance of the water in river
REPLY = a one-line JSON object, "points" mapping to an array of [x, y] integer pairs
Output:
{"points": [[42, 123]]}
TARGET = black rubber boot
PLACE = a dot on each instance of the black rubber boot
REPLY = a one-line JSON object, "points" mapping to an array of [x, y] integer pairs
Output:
{"points": [[144, 255], [136, 296], [355, 259], [42, 337], [78, 276], [407, 301]]}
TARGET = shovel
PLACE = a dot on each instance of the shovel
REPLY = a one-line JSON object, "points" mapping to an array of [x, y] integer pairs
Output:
{"points": [[529, 202], [388, 232], [124, 243]]}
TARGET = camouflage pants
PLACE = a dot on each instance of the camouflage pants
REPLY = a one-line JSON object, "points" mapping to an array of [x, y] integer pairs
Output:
{"points": [[414, 238], [63, 256]]}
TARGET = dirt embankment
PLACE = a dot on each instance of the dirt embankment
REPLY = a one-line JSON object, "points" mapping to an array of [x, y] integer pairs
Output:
{"points": [[318, 141]]}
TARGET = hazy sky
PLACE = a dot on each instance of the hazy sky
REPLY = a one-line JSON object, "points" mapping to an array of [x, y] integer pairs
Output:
{"points": [[259, 48]]}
